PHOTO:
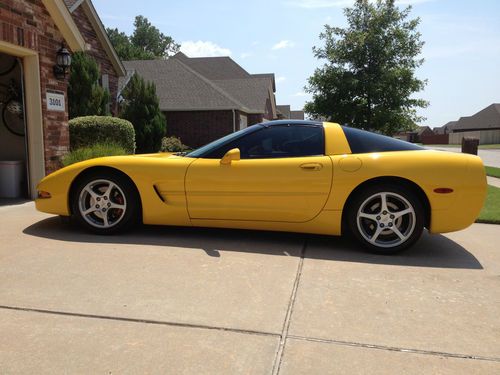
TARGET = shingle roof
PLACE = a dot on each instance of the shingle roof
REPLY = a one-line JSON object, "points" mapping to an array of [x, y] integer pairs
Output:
{"points": [[488, 117], [267, 75], [249, 91], [179, 88], [214, 68]]}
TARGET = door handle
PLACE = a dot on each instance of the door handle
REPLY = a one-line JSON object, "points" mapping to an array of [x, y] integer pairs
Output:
{"points": [[311, 166]]}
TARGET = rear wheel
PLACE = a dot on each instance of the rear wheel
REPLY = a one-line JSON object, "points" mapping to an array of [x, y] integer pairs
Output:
{"points": [[386, 219], [105, 203]]}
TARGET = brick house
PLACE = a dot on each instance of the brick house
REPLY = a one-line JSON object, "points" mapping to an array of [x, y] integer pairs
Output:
{"points": [[31, 34], [208, 97], [285, 112]]}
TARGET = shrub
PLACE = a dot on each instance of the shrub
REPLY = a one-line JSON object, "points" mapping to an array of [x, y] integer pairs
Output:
{"points": [[90, 130], [141, 107], [95, 151], [85, 95], [172, 144]]}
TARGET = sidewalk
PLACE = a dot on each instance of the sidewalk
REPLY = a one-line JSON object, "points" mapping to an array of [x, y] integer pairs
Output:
{"points": [[493, 181]]}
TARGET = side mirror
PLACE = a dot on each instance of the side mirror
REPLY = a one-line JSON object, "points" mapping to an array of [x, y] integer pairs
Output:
{"points": [[231, 155]]}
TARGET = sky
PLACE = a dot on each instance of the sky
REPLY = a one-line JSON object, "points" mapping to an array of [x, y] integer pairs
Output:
{"points": [[461, 51]]}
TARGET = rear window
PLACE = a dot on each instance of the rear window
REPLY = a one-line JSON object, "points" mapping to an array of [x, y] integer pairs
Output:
{"points": [[361, 141]]}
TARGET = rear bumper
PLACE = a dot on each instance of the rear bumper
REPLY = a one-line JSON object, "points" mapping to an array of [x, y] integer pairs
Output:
{"points": [[468, 203]]}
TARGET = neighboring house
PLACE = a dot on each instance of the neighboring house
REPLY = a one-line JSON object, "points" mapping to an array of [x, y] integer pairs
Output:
{"points": [[446, 128], [31, 33], [284, 112], [486, 119], [207, 97], [423, 131]]}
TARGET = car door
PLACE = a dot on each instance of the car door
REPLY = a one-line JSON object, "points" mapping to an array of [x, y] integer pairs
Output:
{"points": [[283, 175]]}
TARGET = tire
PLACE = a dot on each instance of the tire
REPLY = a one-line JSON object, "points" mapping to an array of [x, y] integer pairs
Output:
{"points": [[105, 203], [386, 228], [8, 117]]}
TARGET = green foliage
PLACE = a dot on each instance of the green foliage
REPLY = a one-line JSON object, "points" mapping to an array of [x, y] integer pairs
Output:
{"points": [[95, 151], [368, 80], [90, 130], [172, 144], [491, 209], [146, 42], [85, 95], [141, 107]]}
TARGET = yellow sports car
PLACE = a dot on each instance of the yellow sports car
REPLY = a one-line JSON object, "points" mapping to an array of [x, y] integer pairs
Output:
{"points": [[298, 176]]}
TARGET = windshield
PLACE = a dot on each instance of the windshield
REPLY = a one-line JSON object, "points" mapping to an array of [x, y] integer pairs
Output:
{"points": [[200, 152]]}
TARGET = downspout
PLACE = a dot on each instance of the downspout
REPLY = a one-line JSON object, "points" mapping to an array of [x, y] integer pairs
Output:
{"points": [[234, 120]]}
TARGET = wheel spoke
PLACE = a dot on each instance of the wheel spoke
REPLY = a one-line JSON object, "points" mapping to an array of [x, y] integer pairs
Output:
{"points": [[383, 202], [372, 217], [402, 213], [375, 235], [105, 219], [89, 211], [107, 193], [91, 192], [398, 233], [116, 205]]}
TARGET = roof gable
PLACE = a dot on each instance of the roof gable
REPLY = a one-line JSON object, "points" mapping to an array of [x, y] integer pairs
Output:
{"points": [[179, 88], [214, 68], [488, 117], [100, 31]]}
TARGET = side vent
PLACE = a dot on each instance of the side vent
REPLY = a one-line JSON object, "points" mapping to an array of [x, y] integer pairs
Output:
{"points": [[158, 193]]}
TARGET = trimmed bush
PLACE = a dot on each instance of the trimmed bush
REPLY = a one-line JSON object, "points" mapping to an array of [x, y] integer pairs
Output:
{"points": [[95, 151], [141, 107], [172, 144], [90, 130]]}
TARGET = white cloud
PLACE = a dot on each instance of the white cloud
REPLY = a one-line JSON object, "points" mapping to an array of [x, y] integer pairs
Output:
{"points": [[203, 49], [316, 4], [245, 55], [283, 44], [280, 79]]}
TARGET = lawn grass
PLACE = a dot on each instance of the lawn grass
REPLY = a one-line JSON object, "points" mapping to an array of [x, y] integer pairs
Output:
{"points": [[491, 209], [493, 171]]}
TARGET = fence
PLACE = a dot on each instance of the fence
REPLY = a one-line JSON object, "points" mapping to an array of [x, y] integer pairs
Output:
{"points": [[435, 139], [485, 137]]}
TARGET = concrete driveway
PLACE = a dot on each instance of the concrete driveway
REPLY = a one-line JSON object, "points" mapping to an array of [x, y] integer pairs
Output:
{"points": [[204, 301]]}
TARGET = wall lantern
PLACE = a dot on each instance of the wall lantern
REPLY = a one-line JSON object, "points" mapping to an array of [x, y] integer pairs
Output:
{"points": [[63, 62]]}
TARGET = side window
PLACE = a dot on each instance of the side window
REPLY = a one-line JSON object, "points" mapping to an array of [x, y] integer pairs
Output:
{"points": [[278, 142]]}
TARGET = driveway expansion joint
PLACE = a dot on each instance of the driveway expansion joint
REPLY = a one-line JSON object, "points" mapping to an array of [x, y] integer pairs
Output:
{"points": [[394, 348], [286, 324], [138, 320]]}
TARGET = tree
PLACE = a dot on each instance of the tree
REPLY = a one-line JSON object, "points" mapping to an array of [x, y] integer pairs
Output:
{"points": [[85, 96], [141, 107], [145, 43], [368, 80]]}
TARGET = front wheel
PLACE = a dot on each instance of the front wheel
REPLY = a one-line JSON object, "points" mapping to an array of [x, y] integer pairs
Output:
{"points": [[386, 219], [105, 204]]}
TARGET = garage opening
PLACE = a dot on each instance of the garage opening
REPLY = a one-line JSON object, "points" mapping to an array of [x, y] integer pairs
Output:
{"points": [[14, 174]]}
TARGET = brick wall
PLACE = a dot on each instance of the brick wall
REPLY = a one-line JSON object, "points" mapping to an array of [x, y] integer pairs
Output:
{"points": [[198, 128], [435, 139], [98, 53], [255, 119], [28, 24]]}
